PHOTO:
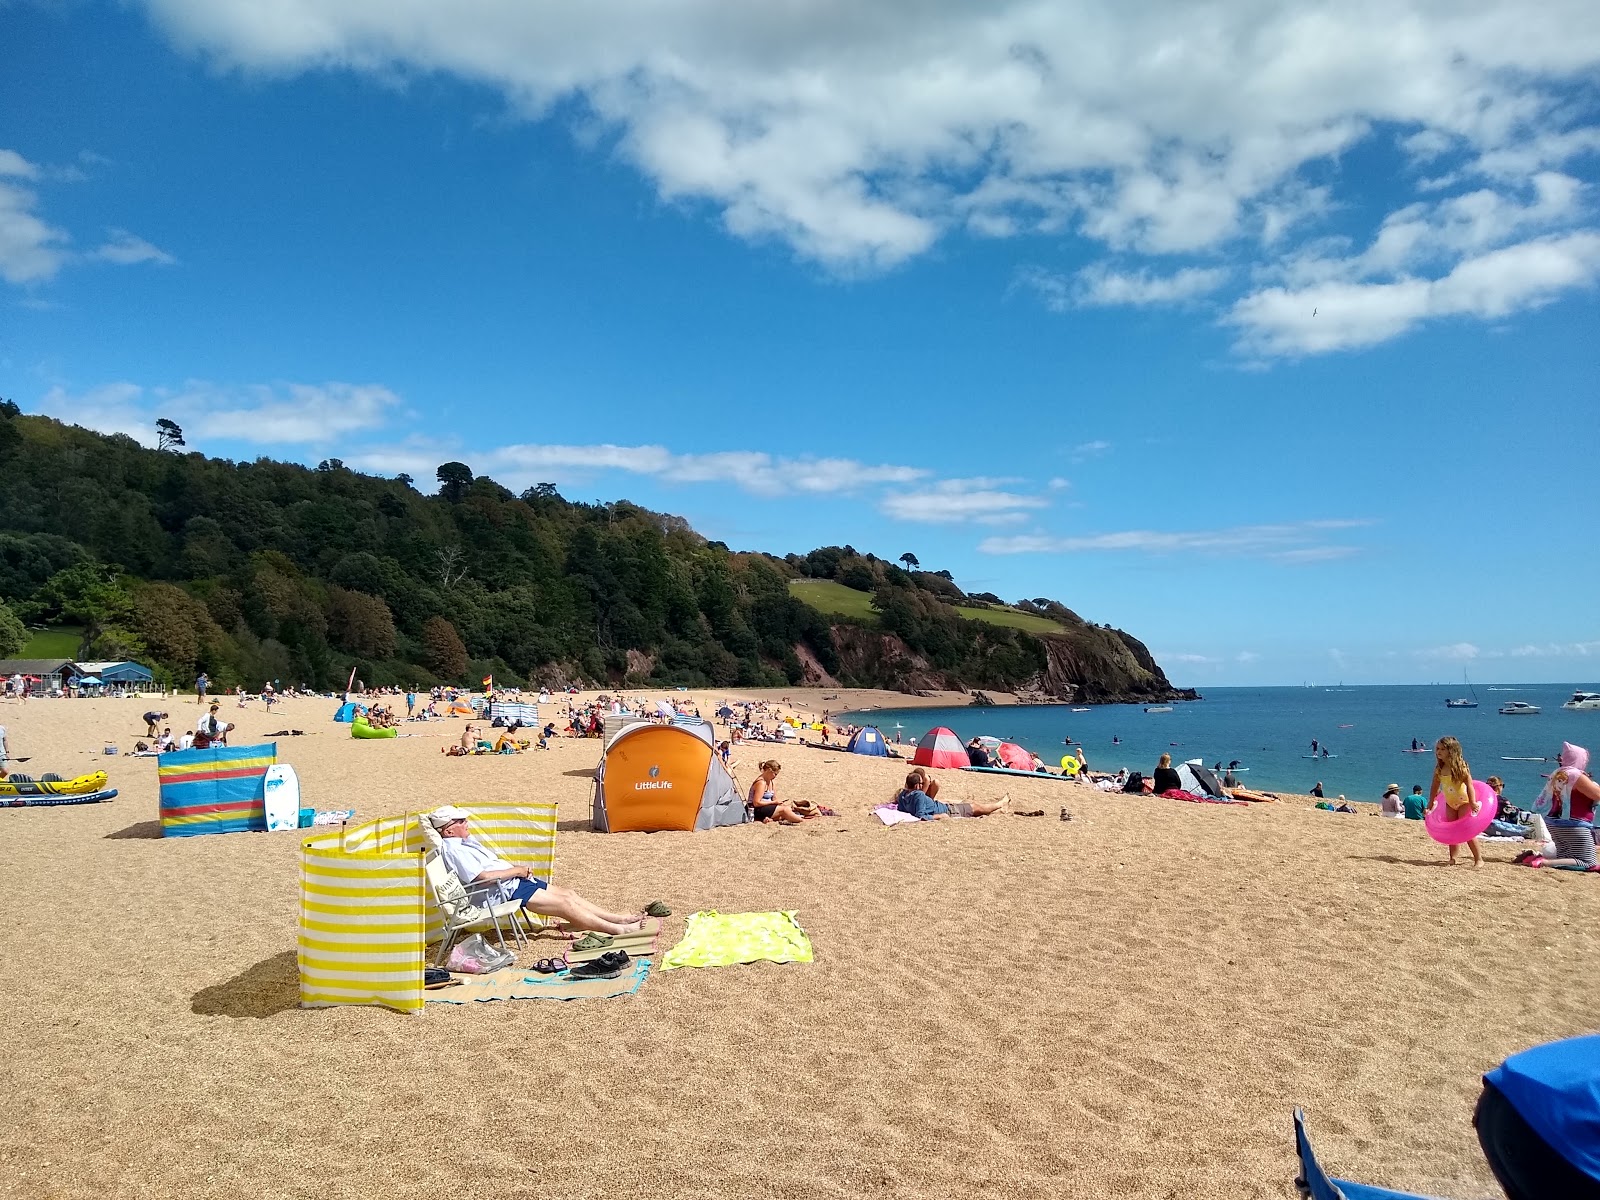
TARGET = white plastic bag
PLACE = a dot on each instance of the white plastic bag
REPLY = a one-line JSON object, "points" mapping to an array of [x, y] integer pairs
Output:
{"points": [[474, 956]]}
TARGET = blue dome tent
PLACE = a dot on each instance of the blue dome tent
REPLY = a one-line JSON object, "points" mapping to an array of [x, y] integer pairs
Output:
{"points": [[868, 740], [347, 711]]}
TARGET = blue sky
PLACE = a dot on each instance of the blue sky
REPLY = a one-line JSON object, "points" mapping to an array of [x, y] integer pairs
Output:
{"points": [[1266, 332]]}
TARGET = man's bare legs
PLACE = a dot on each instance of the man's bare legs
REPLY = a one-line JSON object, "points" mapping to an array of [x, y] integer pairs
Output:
{"points": [[567, 906]]}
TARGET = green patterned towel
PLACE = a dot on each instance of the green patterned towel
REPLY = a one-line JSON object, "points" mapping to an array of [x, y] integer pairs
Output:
{"points": [[721, 939]]}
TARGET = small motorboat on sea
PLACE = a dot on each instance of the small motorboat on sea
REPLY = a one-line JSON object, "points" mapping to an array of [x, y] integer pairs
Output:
{"points": [[1158, 708], [1583, 701], [1519, 708], [1461, 703]]}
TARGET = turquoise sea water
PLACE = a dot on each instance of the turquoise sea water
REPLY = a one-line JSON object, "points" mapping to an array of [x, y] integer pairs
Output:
{"points": [[1269, 729]]}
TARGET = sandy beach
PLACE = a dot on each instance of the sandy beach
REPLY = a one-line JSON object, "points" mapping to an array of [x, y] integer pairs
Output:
{"points": [[1129, 1004]]}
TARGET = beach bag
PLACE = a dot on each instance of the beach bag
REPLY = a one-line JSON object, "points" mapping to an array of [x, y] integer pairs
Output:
{"points": [[1135, 783], [474, 956], [453, 902]]}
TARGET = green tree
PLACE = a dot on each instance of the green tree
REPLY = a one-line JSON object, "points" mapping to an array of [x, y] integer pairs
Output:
{"points": [[13, 634], [454, 480], [445, 652], [910, 561], [360, 624], [168, 434], [90, 594]]}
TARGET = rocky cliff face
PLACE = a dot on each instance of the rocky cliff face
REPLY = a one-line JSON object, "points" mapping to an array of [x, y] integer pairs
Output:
{"points": [[1086, 665], [1099, 666]]}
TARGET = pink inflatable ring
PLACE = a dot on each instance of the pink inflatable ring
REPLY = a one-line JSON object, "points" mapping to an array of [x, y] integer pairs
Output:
{"points": [[1469, 824]]}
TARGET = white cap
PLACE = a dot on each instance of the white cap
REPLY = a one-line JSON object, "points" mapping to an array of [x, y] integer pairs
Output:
{"points": [[443, 815]]}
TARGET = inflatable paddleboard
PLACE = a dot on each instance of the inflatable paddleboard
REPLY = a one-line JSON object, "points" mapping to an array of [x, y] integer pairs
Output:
{"points": [[282, 803], [56, 801], [1423, 750], [81, 786], [1012, 771], [1319, 757]]}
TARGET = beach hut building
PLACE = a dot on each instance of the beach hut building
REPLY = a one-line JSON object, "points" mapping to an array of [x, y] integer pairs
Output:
{"points": [[653, 778], [366, 915], [46, 674], [129, 676], [868, 740], [940, 747]]}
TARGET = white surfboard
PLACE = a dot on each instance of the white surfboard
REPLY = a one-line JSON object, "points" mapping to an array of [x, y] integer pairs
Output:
{"points": [[283, 797]]}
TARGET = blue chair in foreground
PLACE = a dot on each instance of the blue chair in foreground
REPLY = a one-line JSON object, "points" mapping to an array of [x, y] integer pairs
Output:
{"points": [[1319, 1185]]}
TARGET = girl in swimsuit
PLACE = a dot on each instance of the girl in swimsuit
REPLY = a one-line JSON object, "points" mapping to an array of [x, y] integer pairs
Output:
{"points": [[763, 799], [1452, 786]]}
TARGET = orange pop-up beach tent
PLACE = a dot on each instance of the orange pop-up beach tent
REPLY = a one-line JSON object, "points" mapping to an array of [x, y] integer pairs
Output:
{"points": [[658, 777]]}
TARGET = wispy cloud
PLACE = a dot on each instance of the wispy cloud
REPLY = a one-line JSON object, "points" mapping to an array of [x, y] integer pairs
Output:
{"points": [[753, 471], [261, 414], [1556, 650], [1186, 659], [1454, 652], [1100, 286], [125, 249], [33, 251], [1247, 656], [956, 501], [1293, 542], [1084, 451]]}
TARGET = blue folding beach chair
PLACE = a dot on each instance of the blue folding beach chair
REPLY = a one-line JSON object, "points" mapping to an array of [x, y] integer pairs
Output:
{"points": [[1317, 1184]]}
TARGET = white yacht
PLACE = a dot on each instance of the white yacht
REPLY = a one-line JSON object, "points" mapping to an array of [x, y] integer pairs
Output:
{"points": [[1584, 700], [1519, 708]]}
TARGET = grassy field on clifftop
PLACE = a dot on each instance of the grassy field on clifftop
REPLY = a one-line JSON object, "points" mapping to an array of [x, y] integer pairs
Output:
{"points": [[826, 596]]}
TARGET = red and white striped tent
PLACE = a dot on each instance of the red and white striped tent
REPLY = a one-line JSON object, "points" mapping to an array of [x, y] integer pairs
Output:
{"points": [[940, 747]]}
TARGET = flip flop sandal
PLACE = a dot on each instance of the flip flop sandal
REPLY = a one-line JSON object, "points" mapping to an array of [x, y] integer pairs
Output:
{"points": [[657, 909], [592, 941], [550, 966]]}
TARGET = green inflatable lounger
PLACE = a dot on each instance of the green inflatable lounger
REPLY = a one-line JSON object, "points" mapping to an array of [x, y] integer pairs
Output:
{"points": [[363, 728]]}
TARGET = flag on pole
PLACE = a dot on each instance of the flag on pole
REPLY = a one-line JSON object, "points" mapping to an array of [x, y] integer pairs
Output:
{"points": [[488, 683]]}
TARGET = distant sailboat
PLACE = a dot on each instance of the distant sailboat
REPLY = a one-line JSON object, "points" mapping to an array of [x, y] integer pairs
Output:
{"points": [[1462, 702]]}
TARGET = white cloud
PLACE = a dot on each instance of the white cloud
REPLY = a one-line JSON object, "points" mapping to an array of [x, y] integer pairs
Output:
{"points": [[1099, 286], [860, 134], [955, 501], [1188, 659], [31, 250], [1058, 484], [1320, 318], [1087, 450], [1556, 650], [1455, 652], [1247, 656], [124, 249], [1296, 542], [751, 470], [263, 414]]}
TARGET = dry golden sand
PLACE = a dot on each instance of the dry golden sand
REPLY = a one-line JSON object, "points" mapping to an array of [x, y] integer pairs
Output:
{"points": [[1126, 1005]]}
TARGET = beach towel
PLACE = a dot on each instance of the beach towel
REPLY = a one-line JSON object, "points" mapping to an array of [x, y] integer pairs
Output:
{"points": [[715, 939], [890, 815], [519, 983]]}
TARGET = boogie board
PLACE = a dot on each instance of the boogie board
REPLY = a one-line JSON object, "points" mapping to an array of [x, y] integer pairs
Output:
{"points": [[282, 797], [1012, 771], [57, 801]]}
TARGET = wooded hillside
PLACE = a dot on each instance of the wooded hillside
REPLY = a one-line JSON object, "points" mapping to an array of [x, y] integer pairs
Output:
{"points": [[270, 570]]}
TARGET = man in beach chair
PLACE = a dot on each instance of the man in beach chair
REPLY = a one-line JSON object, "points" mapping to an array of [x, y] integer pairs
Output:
{"points": [[473, 863]]}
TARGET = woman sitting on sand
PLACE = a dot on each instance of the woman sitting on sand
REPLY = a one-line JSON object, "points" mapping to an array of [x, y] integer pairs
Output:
{"points": [[1571, 797], [763, 799], [913, 801], [1166, 779]]}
